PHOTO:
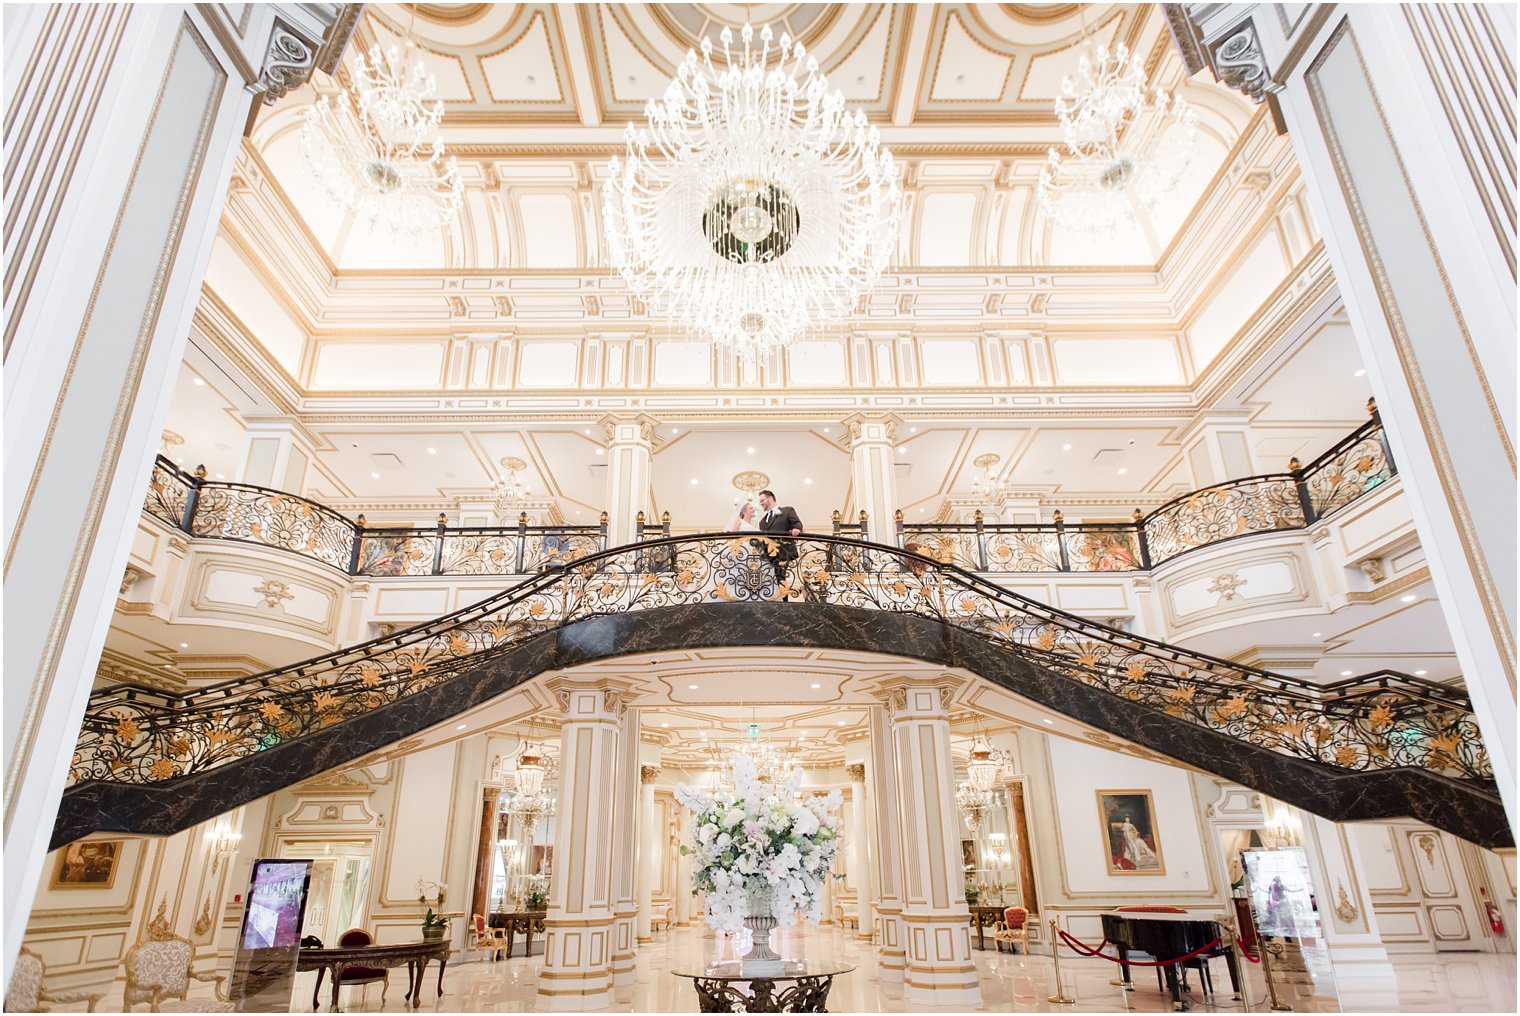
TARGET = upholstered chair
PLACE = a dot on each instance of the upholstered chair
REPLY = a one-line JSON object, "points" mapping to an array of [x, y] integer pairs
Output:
{"points": [[483, 936], [1014, 927], [26, 993], [159, 974], [843, 917], [363, 975]]}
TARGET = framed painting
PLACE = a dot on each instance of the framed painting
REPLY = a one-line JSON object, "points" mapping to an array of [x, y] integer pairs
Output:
{"points": [[89, 864], [1129, 832]]}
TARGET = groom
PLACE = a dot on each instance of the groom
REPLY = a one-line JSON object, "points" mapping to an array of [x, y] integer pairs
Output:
{"points": [[778, 522]]}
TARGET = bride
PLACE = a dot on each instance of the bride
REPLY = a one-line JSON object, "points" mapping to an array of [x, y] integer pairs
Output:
{"points": [[743, 520]]}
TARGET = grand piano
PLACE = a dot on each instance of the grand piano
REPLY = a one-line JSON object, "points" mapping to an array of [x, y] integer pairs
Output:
{"points": [[1166, 935]]}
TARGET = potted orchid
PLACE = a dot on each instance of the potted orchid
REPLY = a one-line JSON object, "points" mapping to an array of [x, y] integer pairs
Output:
{"points": [[431, 894], [761, 854]]}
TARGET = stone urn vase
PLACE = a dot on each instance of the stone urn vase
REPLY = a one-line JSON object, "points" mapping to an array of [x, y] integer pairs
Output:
{"points": [[760, 921]]}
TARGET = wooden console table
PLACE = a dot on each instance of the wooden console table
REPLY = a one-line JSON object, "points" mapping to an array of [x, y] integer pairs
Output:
{"points": [[414, 955], [514, 921]]}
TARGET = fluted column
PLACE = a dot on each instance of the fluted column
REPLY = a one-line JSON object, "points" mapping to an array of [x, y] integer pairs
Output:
{"points": [[630, 446], [577, 971], [650, 843], [873, 467], [935, 920], [860, 852], [624, 874], [890, 959]]}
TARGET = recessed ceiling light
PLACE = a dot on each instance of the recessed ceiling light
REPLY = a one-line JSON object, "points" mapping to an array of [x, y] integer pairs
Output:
{"points": [[168, 666], [1408, 599], [374, 476], [1315, 635], [1123, 471], [461, 726], [184, 645], [1360, 372], [704, 735], [912, 430], [1066, 447], [1345, 673], [1051, 722], [920, 510], [1421, 673], [586, 431], [750, 450], [432, 451], [601, 451], [693, 481], [826, 430], [807, 479], [664, 724], [221, 476], [577, 511], [675, 430], [817, 686], [691, 687], [839, 724], [199, 381]]}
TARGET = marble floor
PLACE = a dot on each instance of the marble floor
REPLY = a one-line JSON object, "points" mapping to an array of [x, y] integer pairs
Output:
{"points": [[1451, 982]]}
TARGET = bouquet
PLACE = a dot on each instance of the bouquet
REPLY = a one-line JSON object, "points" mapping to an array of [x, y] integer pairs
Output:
{"points": [[761, 841]]}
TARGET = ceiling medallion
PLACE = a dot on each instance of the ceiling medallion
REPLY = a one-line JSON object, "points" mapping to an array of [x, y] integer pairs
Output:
{"points": [[751, 207], [1126, 146], [751, 481], [989, 485], [510, 491], [380, 152]]}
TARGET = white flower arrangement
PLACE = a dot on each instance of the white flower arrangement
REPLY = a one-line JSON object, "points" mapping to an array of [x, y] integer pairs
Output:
{"points": [[761, 840]]}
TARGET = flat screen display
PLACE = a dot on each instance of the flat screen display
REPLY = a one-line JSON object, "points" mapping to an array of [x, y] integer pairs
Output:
{"points": [[276, 903]]}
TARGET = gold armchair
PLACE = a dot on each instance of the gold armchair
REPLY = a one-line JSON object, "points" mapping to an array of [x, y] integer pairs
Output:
{"points": [[26, 993], [1014, 927], [843, 917], [159, 973], [483, 936]]}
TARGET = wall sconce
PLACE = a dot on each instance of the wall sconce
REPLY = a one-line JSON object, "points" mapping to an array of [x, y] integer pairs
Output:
{"points": [[224, 842], [998, 849]]}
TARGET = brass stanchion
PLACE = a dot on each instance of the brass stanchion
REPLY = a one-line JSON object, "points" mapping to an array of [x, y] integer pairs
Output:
{"points": [[1266, 971], [1060, 997], [1241, 962]]}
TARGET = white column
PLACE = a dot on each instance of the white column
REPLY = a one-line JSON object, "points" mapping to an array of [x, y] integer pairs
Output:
{"points": [[121, 204], [578, 940], [935, 919], [623, 872], [630, 445], [1345, 906], [860, 851], [885, 836], [1217, 447], [683, 875], [276, 454], [873, 467], [650, 844], [1394, 120]]}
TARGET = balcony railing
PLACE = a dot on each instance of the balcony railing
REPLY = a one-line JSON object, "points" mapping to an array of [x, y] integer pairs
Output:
{"points": [[245, 513], [1274, 502], [1279, 501]]}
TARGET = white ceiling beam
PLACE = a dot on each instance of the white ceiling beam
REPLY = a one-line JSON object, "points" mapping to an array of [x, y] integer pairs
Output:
{"points": [[586, 104], [916, 58]]}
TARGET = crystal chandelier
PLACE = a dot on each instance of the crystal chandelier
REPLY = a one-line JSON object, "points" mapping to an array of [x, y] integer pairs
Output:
{"points": [[510, 491], [772, 765], [751, 207], [989, 485], [380, 153], [986, 762], [1114, 164], [973, 803], [525, 774]]}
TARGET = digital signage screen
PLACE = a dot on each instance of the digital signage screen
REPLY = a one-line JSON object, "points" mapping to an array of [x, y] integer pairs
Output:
{"points": [[276, 903]]}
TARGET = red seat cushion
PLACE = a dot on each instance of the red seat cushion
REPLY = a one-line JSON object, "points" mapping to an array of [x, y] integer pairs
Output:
{"points": [[1014, 917]]}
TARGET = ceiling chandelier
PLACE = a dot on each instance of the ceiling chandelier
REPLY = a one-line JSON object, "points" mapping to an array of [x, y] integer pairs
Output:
{"points": [[380, 153], [751, 207], [973, 803], [989, 485], [525, 773], [1114, 164], [986, 763], [510, 491]]}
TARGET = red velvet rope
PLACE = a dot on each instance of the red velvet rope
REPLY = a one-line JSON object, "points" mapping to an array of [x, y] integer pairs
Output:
{"points": [[1247, 955], [1082, 948]]}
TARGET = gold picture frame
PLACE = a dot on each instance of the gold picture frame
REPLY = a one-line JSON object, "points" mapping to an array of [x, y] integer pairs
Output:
{"points": [[1131, 843], [87, 864]]}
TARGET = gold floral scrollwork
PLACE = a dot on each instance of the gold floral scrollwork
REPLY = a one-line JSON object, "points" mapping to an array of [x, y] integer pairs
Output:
{"points": [[1344, 908], [1427, 843], [203, 922]]}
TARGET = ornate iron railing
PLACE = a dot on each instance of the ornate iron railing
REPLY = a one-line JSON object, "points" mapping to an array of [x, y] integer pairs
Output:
{"points": [[133, 734], [246, 513], [1204, 518]]}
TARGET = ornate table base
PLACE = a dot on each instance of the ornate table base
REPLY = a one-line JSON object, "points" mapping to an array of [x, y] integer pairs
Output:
{"points": [[807, 994]]}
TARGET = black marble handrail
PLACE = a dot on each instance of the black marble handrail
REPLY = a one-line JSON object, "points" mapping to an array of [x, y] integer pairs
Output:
{"points": [[1272, 502], [248, 513], [1387, 721]]}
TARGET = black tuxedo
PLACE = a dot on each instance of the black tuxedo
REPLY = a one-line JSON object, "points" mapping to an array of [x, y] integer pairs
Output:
{"points": [[778, 524]]}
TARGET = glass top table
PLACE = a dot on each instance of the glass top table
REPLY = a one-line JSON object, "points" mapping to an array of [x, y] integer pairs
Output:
{"points": [[803, 984]]}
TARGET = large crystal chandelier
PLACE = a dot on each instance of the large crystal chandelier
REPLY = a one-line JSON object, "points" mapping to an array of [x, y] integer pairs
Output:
{"points": [[751, 207], [973, 803], [989, 485], [380, 153], [525, 774], [510, 491], [985, 763], [772, 765], [1114, 163]]}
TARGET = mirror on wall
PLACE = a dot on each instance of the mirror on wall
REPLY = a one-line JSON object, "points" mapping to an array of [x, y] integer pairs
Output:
{"points": [[339, 889]]}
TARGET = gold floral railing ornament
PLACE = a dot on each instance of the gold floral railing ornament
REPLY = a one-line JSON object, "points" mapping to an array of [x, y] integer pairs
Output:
{"points": [[1204, 518], [134, 734]]}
